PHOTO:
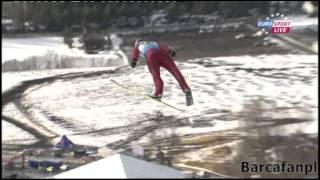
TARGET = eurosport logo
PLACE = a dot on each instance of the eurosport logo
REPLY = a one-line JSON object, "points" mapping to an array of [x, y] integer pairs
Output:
{"points": [[276, 24]]}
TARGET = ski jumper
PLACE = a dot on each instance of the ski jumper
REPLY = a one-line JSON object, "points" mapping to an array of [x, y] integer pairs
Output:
{"points": [[158, 56]]}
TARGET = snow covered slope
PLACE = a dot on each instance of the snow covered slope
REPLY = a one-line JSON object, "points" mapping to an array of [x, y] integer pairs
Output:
{"points": [[92, 110]]}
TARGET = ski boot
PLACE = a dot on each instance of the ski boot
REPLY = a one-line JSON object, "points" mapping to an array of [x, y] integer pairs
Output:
{"points": [[189, 98], [158, 98]]}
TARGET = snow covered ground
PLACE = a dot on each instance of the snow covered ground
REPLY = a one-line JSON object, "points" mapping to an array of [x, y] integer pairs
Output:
{"points": [[22, 48], [99, 112], [234, 97], [12, 79], [43, 46]]}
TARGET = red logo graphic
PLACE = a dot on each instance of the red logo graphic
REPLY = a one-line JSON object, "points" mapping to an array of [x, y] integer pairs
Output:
{"points": [[281, 26]]}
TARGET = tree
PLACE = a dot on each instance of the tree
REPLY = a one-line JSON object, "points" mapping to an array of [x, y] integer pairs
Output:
{"points": [[59, 15]]}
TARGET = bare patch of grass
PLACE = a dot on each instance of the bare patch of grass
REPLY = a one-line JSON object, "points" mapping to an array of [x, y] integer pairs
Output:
{"points": [[206, 139]]}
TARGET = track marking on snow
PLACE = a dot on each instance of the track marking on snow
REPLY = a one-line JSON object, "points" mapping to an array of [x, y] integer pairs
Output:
{"points": [[131, 91], [220, 90]]}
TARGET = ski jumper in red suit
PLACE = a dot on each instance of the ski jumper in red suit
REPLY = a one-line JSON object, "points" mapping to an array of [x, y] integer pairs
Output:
{"points": [[158, 56]]}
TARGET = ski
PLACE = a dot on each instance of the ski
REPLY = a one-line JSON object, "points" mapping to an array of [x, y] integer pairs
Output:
{"points": [[143, 95]]}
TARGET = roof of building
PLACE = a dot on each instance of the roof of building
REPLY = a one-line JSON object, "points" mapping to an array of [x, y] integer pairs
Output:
{"points": [[122, 166]]}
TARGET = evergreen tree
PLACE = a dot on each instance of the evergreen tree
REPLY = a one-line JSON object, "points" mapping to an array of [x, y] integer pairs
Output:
{"points": [[58, 15]]}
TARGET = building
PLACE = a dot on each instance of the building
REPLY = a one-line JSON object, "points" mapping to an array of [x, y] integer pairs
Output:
{"points": [[7, 24], [122, 166]]}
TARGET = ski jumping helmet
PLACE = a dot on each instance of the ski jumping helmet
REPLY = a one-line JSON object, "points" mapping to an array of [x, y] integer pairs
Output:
{"points": [[138, 42]]}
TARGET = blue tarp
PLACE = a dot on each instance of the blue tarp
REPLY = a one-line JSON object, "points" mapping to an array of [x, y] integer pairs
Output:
{"points": [[33, 164], [64, 143], [55, 165], [46, 164]]}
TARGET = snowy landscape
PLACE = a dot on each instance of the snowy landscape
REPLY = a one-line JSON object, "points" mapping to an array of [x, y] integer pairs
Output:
{"points": [[258, 103], [94, 111]]}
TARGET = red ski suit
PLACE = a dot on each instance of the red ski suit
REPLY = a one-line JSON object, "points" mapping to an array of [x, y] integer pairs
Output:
{"points": [[156, 58]]}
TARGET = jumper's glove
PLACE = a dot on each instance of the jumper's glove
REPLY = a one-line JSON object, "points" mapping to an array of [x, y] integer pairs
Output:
{"points": [[133, 63], [172, 53]]}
